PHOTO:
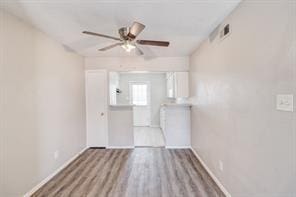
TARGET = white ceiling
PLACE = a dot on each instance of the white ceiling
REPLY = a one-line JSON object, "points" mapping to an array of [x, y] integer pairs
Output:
{"points": [[184, 23]]}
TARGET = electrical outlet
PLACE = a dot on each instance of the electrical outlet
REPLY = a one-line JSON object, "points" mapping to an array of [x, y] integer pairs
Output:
{"points": [[284, 102], [221, 165], [56, 154]]}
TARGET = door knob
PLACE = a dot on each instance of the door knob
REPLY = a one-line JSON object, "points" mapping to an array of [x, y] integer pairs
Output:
{"points": [[102, 114]]}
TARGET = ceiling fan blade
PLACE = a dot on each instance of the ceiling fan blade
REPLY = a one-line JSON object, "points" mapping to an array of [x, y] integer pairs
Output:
{"points": [[139, 51], [101, 35], [153, 43], [110, 47], [135, 30]]}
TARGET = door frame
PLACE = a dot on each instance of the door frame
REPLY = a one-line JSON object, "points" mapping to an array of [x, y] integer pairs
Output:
{"points": [[105, 72], [148, 95]]}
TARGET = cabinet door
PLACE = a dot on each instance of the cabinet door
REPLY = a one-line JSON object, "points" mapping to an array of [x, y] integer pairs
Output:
{"points": [[170, 85], [181, 85], [177, 126]]}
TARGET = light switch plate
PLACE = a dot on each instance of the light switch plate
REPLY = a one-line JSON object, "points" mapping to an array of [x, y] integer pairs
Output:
{"points": [[284, 102]]}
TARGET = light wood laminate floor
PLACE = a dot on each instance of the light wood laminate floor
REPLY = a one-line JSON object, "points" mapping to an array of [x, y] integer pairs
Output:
{"points": [[148, 136], [140, 172]]}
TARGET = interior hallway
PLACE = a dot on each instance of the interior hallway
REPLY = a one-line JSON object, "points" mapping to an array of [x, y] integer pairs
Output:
{"points": [[148, 136]]}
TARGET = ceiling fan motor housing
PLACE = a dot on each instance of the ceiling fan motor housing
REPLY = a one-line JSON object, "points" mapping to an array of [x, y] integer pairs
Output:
{"points": [[123, 32]]}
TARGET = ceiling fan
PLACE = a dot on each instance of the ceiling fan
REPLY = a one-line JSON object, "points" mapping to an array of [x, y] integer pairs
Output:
{"points": [[127, 39]]}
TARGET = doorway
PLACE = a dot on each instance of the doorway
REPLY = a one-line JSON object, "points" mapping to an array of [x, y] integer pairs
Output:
{"points": [[140, 98], [144, 134], [148, 137], [96, 108]]}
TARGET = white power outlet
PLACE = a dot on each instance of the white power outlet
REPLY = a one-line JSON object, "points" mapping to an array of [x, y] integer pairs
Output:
{"points": [[56, 154], [284, 102], [221, 165]]}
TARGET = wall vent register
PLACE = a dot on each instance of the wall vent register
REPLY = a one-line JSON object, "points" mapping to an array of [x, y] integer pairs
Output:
{"points": [[225, 31]]}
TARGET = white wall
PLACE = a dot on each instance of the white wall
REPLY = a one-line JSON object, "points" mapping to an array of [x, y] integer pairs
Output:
{"points": [[157, 88], [121, 133], [42, 105], [234, 83], [138, 63]]}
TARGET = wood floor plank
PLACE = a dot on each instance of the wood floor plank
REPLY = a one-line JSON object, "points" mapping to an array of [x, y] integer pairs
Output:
{"points": [[140, 172]]}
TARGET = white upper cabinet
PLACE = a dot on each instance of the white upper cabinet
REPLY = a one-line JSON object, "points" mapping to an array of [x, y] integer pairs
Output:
{"points": [[177, 85], [170, 77], [181, 85]]}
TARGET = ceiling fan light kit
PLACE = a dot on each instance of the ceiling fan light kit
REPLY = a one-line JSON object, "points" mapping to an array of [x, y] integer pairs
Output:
{"points": [[127, 38], [128, 46]]}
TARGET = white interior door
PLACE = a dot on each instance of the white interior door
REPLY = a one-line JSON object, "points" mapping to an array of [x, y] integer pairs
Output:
{"points": [[96, 108], [140, 98]]}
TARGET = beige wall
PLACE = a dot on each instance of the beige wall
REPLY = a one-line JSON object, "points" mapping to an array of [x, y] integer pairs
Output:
{"points": [[234, 83], [42, 106]]}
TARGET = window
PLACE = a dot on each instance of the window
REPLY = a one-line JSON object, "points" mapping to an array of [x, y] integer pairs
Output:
{"points": [[139, 94]]}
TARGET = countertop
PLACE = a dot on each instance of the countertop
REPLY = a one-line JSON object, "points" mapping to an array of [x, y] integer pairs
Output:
{"points": [[176, 104], [121, 105]]}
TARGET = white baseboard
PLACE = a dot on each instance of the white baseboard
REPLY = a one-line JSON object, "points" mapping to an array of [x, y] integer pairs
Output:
{"points": [[120, 147], [32, 191], [178, 147], [223, 189]]}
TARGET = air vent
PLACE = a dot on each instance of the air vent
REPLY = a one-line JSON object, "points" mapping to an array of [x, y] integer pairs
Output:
{"points": [[225, 31]]}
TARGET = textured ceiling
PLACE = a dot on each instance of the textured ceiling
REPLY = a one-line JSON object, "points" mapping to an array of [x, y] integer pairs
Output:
{"points": [[184, 23]]}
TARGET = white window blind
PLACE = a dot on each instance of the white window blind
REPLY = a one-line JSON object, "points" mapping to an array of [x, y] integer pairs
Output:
{"points": [[139, 94]]}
